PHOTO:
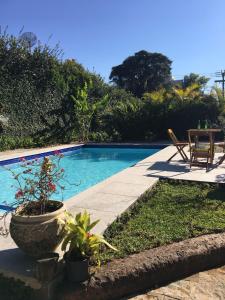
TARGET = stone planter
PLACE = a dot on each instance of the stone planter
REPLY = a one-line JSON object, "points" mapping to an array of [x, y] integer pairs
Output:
{"points": [[39, 234]]}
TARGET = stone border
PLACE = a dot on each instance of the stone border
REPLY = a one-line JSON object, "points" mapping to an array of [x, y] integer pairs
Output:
{"points": [[149, 269]]}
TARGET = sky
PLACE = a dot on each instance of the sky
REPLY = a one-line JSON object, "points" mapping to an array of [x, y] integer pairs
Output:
{"points": [[100, 34]]}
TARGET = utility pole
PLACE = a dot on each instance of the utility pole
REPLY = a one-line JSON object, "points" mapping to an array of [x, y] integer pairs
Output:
{"points": [[221, 74]]}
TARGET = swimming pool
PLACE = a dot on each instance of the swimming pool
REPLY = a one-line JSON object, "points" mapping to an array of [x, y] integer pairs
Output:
{"points": [[84, 167]]}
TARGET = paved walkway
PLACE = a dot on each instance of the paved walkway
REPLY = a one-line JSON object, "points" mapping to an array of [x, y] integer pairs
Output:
{"points": [[208, 285]]}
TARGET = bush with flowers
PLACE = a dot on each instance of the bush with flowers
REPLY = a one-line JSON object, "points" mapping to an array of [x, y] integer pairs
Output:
{"points": [[37, 181]]}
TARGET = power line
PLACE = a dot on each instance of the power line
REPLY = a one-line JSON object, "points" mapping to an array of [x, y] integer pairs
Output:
{"points": [[221, 74], [212, 74]]}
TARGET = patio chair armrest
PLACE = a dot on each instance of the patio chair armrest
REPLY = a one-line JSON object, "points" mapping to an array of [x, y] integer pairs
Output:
{"points": [[194, 149]]}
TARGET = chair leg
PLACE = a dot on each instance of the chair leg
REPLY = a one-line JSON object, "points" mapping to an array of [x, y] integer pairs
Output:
{"points": [[221, 160], [172, 156], [183, 154], [207, 164], [191, 160]]}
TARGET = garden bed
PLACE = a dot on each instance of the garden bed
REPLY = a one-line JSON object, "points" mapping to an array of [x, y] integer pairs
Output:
{"points": [[172, 211], [165, 236], [149, 269]]}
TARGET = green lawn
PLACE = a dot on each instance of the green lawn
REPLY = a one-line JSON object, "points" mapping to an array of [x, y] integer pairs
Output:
{"points": [[172, 212]]}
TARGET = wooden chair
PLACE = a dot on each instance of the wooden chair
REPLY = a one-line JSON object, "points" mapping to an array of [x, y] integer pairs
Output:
{"points": [[221, 145], [200, 149], [179, 145]]}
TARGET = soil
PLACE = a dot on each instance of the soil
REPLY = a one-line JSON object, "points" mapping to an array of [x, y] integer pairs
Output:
{"points": [[34, 208]]}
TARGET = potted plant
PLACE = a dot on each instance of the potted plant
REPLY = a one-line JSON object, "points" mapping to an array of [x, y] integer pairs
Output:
{"points": [[80, 245], [35, 224]]}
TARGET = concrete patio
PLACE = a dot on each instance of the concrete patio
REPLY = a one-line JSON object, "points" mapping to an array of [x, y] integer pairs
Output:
{"points": [[178, 169], [108, 199]]}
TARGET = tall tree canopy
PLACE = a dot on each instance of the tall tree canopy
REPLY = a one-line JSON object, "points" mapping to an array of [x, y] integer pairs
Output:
{"points": [[193, 78], [142, 72]]}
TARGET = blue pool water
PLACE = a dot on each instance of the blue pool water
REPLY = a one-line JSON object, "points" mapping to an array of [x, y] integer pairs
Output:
{"points": [[83, 168]]}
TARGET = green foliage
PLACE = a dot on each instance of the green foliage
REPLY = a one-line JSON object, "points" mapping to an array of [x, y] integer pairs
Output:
{"points": [[142, 72], [148, 118], [159, 96], [8, 142], [85, 110], [189, 93], [44, 100], [103, 136], [193, 78], [36, 89], [100, 136], [180, 111], [172, 212], [82, 243], [11, 289], [217, 93]]}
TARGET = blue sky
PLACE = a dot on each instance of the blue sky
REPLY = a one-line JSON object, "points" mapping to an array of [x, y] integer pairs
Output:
{"points": [[102, 33]]}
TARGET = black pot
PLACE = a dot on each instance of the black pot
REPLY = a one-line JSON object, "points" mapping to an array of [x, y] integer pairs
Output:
{"points": [[76, 271], [46, 267]]}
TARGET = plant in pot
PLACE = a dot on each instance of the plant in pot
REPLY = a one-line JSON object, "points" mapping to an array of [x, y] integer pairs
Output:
{"points": [[80, 245], [35, 224]]}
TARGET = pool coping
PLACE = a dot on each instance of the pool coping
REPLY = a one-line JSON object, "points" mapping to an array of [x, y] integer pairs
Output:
{"points": [[41, 152]]}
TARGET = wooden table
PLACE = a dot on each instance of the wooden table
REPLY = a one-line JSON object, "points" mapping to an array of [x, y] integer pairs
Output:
{"points": [[210, 132]]}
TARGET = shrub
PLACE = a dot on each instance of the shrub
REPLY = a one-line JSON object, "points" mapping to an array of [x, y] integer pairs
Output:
{"points": [[46, 100], [9, 142], [35, 91], [100, 136]]}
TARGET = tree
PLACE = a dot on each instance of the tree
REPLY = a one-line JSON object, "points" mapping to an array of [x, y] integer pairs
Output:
{"points": [[176, 93], [191, 92], [142, 72], [217, 94], [85, 110], [193, 78], [159, 96]]}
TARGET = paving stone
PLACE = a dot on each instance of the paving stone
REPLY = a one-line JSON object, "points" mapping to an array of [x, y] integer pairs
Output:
{"points": [[125, 189], [208, 285]]}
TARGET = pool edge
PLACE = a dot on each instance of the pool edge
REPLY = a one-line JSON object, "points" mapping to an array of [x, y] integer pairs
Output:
{"points": [[42, 153]]}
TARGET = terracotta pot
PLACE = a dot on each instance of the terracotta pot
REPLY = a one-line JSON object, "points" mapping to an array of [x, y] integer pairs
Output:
{"points": [[77, 271], [39, 234]]}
